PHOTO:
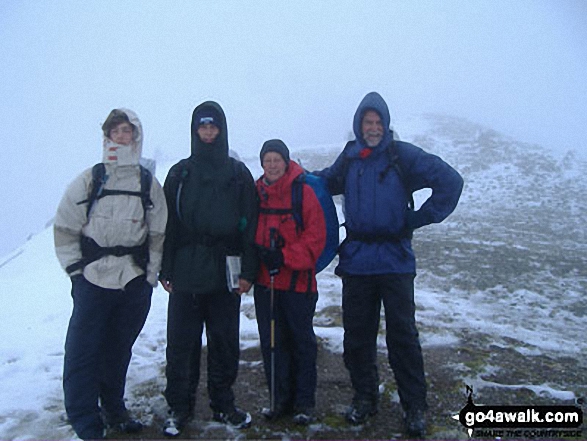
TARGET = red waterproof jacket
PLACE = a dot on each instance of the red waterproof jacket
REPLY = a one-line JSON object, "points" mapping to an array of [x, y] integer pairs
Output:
{"points": [[301, 249]]}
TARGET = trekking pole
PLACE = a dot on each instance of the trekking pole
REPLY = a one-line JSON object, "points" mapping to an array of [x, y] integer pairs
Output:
{"points": [[272, 245]]}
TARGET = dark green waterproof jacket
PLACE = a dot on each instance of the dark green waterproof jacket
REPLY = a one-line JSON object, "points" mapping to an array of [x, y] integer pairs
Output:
{"points": [[211, 200]]}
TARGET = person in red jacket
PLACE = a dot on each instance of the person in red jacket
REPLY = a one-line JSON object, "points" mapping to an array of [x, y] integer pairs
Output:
{"points": [[288, 255]]}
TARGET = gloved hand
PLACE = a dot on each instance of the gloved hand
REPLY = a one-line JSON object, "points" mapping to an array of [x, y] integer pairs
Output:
{"points": [[273, 259], [415, 219]]}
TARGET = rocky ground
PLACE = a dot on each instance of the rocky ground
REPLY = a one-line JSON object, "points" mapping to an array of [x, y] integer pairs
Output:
{"points": [[447, 367], [503, 369]]}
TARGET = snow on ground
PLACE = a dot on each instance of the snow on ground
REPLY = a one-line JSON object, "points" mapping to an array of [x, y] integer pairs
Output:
{"points": [[33, 323], [36, 309], [522, 315]]}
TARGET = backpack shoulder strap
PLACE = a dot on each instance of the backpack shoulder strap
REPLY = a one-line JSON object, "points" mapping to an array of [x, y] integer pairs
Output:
{"points": [[146, 182], [241, 177], [297, 200], [99, 178], [179, 179], [395, 163], [346, 159], [239, 170]]}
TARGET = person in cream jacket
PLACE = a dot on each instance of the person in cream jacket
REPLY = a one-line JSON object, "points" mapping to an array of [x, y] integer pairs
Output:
{"points": [[111, 248]]}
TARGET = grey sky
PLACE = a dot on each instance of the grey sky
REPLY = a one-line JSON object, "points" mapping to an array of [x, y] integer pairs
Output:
{"points": [[294, 70]]}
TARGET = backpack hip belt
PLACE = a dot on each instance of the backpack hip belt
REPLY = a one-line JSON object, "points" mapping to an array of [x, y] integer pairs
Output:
{"points": [[91, 252]]}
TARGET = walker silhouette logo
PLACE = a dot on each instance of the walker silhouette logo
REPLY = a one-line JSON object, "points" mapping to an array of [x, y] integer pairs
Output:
{"points": [[520, 421]]}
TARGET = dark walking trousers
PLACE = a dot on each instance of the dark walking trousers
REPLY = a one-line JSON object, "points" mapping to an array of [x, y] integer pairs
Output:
{"points": [[295, 345], [187, 314], [103, 327], [361, 306]]}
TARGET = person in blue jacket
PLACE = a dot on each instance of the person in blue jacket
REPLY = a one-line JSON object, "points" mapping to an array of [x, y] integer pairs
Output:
{"points": [[377, 175]]}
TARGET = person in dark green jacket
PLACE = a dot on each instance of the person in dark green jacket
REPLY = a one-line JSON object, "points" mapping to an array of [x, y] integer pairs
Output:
{"points": [[212, 208]]}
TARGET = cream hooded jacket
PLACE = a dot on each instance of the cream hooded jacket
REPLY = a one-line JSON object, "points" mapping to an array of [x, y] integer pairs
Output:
{"points": [[114, 220]]}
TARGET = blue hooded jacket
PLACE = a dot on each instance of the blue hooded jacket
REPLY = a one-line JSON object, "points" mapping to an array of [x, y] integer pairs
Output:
{"points": [[377, 195]]}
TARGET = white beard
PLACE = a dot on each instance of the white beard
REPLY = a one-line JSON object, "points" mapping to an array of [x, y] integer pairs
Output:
{"points": [[373, 142]]}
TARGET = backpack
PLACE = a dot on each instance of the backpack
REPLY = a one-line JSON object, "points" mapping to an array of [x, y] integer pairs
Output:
{"points": [[320, 189], [91, 251]]}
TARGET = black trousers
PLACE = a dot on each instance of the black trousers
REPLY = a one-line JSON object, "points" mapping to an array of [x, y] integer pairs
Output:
{"points": [[103, 327], [186, 316], [295, 349], [361, 304]]}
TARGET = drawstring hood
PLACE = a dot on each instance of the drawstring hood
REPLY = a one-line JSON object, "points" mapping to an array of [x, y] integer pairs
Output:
{"points": [[216, 153], [210, 161], [373, 101], [121, 155]]}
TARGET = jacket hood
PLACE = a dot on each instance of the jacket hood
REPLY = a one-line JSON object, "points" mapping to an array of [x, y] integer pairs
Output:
{"points": [[117, 154], [372, 101], [220, 145]]}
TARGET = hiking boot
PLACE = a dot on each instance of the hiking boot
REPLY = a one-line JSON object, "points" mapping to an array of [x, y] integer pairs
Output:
{"points": [[92, 433], [303, 417], [359, 412], [238, 419], [128, 426], [121, 423], [271, 415], [415, 422], [279, 411], [175, 424]]}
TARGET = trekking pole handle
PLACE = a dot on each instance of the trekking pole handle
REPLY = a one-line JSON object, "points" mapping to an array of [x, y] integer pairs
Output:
{"points": [[272, 238], [273, 234], [276, 240]]}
